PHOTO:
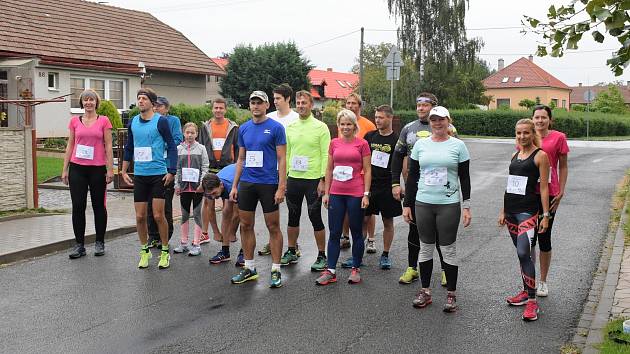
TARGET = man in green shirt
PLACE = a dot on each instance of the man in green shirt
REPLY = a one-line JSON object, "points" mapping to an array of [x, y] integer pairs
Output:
{"points": [[307, 156]]}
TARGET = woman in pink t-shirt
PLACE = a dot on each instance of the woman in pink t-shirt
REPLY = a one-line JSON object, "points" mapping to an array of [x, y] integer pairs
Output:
{"points": [[554, 144], [88, 164], [346, 191]]}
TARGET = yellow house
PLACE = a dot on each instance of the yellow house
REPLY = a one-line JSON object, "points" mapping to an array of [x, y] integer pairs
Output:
{"points": [[525, 80]]}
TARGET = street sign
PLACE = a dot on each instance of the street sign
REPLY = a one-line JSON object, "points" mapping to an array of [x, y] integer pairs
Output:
{"points": [[392, 64], [393, 58], [393, 72], [589, 95]]}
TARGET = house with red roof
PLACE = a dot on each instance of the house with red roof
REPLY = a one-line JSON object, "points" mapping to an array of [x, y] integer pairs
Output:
{"points": [[51, 48], [525, 80], [212, 85], [328, 85]]}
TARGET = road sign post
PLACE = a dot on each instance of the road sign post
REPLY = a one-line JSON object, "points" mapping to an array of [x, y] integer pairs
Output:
{"points": [[392, 64]]}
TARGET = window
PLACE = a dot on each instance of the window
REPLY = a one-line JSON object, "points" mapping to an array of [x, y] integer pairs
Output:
{"points": [[517, 79], [349, 84], [503, 103], [53, 81], [505, 79], [109, 89], [341, 84], [554, 102], [564, 103]]}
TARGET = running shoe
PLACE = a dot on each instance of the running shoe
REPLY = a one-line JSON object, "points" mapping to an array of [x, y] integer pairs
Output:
{"points": [[220, 258], [297, 250], [443, 280], [451, 303], [345, 242], [385, 262], [99, 248], [204, 238], [370, 248], [519, 299], [355, 276], [182, 248], [194, 251], [244, 275], [276, 279], [265, 251], [154, 243], [319, 265], [326, 278], [542, 289], [347, 263], [289, 257], [240, 260], [77, 252], [422, 300], [409, 276], [145, 255], [165, 260], [531, 311]]}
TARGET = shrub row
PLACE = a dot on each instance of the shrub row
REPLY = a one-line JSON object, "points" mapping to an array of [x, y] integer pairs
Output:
{"points": [[501, 122], [200, 114]]}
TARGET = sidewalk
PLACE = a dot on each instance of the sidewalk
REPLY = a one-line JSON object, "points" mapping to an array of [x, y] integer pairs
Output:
{"points": [[40, 235]]}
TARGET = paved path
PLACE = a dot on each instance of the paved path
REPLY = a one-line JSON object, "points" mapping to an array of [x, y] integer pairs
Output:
{"points": [[107, 305]]}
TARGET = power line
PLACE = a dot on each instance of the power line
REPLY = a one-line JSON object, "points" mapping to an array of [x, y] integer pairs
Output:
{"points": [[331, 39]]}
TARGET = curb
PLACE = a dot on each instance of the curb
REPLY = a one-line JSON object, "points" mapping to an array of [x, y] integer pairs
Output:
{"points": [[66, 188], [42, 250], [607, 295], [27, 216]]}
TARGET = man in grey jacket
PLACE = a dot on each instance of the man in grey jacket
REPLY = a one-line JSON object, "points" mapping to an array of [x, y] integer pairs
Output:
{"points": [[220, 137]]}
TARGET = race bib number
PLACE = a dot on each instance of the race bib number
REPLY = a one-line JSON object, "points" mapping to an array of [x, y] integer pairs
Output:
{"points": [[254, 159], [190, 174], [436, 176], [516, 184], [342, 173], [142, 154], [380, 159], [217, 144], [84, 152], [299, 163]]}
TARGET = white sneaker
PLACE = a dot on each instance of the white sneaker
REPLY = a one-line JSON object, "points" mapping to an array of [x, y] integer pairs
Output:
{"points": [[195, 250], [542, 289], [371, 248], [181, 248]]}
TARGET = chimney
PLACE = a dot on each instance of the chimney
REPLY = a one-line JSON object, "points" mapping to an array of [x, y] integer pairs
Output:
{"points": [[531, 58], [329, 69], [501, 64], [579, 84]]}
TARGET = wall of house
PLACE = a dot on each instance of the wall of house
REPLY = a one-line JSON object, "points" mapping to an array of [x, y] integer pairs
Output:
{"points": [[16, 169], [516, 95], [212, 87], [178, 87]]}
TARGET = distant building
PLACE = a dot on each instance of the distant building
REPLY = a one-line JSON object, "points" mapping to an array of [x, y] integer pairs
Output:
{"points": [[212, 86], [525, 80], [50, 48], [579, 93], [328, 85]]}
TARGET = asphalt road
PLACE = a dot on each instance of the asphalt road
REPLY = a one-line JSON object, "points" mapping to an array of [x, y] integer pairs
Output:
{"points": [[107, 305]]}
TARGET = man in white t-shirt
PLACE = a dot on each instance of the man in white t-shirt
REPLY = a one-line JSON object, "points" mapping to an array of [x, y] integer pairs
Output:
{"points": [[285, 116]]}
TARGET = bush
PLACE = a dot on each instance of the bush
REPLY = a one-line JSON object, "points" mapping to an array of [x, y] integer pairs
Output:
{"points": [[331, 109], [501, 122], [199, 114], [107, 108]]}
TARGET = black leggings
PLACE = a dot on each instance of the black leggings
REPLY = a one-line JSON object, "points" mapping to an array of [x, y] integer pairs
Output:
{"points": [[522, 227], [413, 244], [297, 190], [81, 178]]}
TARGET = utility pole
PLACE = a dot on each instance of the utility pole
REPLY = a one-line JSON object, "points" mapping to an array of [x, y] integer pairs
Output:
{"points": [[361, 65]]}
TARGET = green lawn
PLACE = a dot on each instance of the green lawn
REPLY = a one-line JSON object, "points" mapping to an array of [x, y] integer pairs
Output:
{"points": [[615, 341], [48, 167]]}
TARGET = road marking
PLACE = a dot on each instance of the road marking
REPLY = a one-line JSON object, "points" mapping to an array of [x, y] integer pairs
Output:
{"points": [[597, 160]]}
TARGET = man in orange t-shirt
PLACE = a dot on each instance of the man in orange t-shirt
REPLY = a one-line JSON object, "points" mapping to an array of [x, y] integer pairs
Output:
{"points": [[353, 103], [220, 137]]}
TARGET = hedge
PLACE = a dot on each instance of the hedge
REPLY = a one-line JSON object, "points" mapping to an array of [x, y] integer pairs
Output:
{"points": [[501, 122], [200, 114]]}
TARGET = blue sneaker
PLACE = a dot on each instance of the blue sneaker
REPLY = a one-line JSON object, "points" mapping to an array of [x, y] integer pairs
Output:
{"points": [[385, 262], [220, 258], [276, 279], [240, 260], [244, 275], [348, 263]]}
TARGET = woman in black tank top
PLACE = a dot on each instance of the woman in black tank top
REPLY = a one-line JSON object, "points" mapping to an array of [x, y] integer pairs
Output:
{"points": [[520, 209]]}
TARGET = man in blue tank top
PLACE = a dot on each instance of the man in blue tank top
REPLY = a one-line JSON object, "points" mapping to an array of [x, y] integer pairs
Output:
{"points": [[149, 137]]}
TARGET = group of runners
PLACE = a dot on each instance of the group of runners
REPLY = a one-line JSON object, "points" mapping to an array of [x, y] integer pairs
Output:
{"points": [[290, 154]]}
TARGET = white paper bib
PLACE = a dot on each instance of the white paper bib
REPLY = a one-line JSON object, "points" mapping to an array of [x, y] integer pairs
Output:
{"points": [[380, 159], [254, 159], [517, 184], [84, 152], [435, 176], [217, 144], [299, 163], [342, 173], [142, 154], [190, 174]]}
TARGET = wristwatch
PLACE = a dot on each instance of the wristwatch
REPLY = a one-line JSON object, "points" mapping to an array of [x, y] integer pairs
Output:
{"points": [[367, 194], [546, 215]]}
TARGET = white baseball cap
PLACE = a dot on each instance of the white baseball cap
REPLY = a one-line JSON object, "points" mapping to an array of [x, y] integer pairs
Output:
{"points": [[440, 112]]}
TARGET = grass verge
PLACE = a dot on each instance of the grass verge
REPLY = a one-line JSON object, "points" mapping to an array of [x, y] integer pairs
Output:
{"points": [[26, 211], [48, 167], [615, 341]]}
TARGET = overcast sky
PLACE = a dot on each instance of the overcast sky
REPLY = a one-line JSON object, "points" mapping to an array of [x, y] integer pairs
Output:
{"points": [[216, 26]]}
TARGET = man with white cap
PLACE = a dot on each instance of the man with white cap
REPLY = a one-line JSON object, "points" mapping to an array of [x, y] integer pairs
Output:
{"points": [[262, 147]]}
